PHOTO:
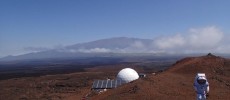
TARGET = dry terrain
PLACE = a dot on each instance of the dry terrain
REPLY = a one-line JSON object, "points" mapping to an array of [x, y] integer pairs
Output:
{"points": [[175, 83]]}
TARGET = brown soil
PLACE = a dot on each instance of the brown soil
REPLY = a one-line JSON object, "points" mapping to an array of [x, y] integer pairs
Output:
{"points": [[176, 83]]}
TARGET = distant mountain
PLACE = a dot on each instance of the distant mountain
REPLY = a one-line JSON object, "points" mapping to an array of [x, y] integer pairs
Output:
{"points": [[101, 47], [111, 43]]}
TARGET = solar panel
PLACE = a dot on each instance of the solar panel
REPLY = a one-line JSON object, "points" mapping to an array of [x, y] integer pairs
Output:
{"points": [[109, 84], [100, 84], [106, 84], [114, 84], [118, 82], [103, 85], [95, 84]]}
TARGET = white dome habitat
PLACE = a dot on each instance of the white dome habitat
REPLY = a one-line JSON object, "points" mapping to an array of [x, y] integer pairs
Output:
{"points": [[127, 75]]}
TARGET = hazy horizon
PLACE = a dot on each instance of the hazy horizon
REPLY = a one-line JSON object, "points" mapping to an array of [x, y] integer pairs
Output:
{"points": [[173, 26]]}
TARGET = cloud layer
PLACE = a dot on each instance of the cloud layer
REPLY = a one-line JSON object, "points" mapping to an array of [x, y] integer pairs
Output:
{"points": [[195, 40]]}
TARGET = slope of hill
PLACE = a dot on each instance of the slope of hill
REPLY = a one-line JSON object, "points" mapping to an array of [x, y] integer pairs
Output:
{"points": [[59, 86], [177, 82]]}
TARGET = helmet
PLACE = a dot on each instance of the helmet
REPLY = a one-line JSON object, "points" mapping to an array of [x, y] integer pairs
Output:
{"points": [[201, 80]]}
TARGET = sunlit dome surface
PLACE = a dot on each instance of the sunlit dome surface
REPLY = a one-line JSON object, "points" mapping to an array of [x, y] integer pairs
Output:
{"points": [[127, 75]]}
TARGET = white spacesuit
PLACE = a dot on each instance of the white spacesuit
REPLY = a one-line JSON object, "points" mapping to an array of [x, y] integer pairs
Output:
{"points": [[201, 86]]}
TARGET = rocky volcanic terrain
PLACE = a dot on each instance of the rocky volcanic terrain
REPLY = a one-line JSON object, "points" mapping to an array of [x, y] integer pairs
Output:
{"points": [[175, 83], [72, 86]]}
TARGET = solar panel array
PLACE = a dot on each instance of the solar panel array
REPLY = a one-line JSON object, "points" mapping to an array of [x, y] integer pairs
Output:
{"points": [[106, 84]]}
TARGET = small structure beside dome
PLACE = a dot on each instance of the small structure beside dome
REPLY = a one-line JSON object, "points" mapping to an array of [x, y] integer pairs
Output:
{"points": [[142, 75]]}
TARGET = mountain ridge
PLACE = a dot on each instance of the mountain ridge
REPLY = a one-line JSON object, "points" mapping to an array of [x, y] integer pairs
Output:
{"points": [[97, 48], [93, 48]]}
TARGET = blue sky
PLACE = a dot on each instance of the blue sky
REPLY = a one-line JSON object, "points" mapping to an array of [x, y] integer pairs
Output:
{"points": [[51, 23]]}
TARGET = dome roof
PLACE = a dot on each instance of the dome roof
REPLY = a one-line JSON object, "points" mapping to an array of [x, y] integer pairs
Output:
{"points": [[127, 75]]}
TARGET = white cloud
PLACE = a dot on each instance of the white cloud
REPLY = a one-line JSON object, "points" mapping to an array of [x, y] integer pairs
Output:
{"points": [[223, 49], [138, 44], [35, 49], [136, 47], [94, 50], [195, 40], [207, 39], [169, 42]]}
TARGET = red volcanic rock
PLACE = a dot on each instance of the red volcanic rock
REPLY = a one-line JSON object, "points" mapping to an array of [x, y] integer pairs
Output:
{"points": [[176, 83]]}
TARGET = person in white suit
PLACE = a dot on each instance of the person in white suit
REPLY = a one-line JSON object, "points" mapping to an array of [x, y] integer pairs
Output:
{"points": [[201, 86]]}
